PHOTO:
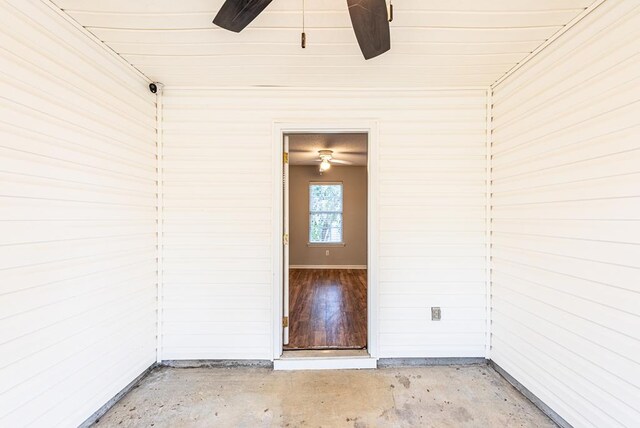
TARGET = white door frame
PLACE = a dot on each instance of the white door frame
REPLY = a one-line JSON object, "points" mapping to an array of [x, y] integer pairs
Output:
{"points": [[285, 246], [339, 125]]}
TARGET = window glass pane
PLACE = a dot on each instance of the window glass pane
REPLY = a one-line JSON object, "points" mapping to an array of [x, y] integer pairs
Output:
{"points": [[325, 214], [325, 227], [325, 197]]}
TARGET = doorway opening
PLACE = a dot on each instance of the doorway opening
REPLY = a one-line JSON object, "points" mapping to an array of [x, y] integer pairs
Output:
{"points": [[325, 251]]}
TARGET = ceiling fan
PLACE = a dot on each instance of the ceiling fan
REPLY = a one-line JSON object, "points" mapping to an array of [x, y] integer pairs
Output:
{"points": [[325, 157], [369, 19]]}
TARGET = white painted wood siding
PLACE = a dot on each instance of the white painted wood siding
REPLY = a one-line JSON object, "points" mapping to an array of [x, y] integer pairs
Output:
{"points": [[77, 221], [218, 208], [566, 221]]}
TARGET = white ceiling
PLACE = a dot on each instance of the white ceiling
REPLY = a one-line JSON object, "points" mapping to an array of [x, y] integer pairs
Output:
{"points": [[435, 43], [304, 148]]}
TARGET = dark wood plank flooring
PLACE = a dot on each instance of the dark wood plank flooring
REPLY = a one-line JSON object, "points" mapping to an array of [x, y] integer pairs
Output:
{"points": [[327, 309]]}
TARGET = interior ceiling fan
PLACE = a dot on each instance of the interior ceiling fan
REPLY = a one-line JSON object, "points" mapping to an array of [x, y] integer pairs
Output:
{"points": [[325, 157], [369, 19]]}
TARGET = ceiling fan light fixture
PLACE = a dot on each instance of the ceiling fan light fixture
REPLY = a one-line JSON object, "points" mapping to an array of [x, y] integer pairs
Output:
{"points": [[325, 156], [325, 165]]}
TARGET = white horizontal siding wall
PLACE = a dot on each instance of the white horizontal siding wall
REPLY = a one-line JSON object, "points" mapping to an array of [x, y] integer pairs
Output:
{"points": [[77, 221], [566, 221], [218, 217]]}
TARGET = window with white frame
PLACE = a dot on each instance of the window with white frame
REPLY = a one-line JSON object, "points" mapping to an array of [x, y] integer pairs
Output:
{"points": [[325, 213]]}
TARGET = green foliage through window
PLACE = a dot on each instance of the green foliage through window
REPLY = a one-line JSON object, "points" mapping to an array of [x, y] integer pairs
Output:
{"points": [[325, 213]]}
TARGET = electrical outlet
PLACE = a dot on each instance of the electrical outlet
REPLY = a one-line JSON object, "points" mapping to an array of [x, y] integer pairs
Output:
{"points": [[436, 313], [326, 253]]}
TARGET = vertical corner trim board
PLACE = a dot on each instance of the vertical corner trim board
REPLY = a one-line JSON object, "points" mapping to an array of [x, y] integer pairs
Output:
{"points": [[566, 221], [77, 221]]}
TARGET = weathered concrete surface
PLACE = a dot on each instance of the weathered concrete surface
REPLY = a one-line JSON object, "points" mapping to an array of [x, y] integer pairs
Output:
{"points": [[450, 396]]}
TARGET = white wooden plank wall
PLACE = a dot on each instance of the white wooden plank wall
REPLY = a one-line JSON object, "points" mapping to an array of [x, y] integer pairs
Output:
{"points": [[218, 209], [77, 221], [566, 221]]}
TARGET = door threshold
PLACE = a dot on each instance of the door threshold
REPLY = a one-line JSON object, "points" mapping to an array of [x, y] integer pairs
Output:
{"points": [[329, 359], [324, 353]]}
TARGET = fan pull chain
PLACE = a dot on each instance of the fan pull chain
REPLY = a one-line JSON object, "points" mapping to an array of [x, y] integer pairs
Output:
{"points": [[303, 41]]}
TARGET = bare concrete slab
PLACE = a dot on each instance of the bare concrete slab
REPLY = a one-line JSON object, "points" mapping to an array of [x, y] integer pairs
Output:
{"points": [[437, 396]]}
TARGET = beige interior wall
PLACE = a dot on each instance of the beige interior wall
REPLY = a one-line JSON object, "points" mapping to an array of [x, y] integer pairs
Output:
{"points": [[354, 179]]}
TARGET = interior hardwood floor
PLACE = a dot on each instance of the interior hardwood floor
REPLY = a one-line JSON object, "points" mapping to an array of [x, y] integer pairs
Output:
{"points": [[327, 309]]}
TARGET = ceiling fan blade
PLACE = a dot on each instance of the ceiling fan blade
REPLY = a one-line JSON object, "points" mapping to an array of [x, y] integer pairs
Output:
{"points": [[336, 161], [353, 152], [234, 15], [371, 24]]}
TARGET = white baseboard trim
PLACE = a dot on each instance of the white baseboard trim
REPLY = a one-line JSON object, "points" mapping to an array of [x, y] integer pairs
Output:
{"points": [[328, 267]]}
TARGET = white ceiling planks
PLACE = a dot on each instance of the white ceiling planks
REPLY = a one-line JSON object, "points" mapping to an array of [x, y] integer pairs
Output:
{"points": [[326, 19], [190, 6], [434, 43]]}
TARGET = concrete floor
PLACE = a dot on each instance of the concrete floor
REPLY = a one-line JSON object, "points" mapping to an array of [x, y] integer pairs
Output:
{"points": [[439, 396]]}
